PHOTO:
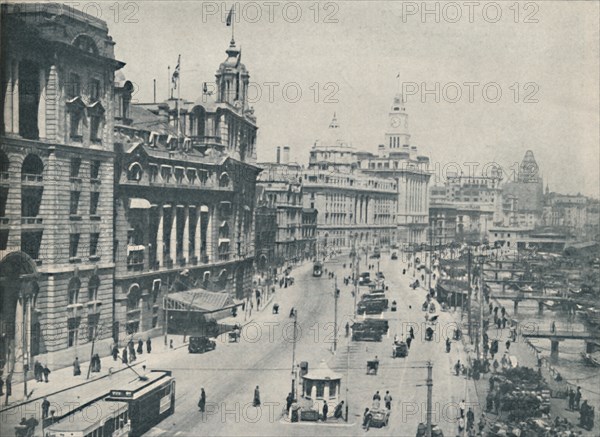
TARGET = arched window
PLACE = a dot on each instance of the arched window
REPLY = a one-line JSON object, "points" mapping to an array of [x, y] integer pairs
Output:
{"points": [[86, 43], [224, 180], [93, 286], [32, 166], [133, 297], [74, 286], [134, 173]]}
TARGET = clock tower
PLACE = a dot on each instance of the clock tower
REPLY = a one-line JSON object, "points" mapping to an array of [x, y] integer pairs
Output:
{"points": [[397, 136]]}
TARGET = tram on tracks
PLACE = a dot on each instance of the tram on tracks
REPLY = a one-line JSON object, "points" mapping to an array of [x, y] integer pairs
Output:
{"points": [[128, 411]]}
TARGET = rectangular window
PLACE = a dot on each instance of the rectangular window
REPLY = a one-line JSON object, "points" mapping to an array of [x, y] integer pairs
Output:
{"points": [[73, 86], [75, 166], [74, 206], [94, 90], [94, 198], [95, 128], [73, 328], [76, 132], [94, 244], [73, 245], [95, 170]]}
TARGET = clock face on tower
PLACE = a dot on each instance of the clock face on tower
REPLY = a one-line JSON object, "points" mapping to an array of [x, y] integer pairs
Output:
{"points": [[395, 122]]}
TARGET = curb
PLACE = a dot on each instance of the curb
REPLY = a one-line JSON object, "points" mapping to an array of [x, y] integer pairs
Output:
{"points": [[28, 401]]}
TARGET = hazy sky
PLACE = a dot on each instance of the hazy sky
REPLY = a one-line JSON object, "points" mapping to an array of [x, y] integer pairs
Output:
{"points": [[352, 52]]}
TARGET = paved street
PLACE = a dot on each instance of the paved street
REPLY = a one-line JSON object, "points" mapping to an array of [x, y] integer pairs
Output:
{"points": [[264, 357]]}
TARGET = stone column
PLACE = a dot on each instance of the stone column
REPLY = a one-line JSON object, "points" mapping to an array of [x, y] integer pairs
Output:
{"points": [[15, 99], [198, 245], [209, 234], [42, 105], [173, 236], [52, 109], [160, 244], [186, 233], [8, 98]]}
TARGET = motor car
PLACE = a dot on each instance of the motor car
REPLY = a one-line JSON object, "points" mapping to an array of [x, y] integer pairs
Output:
{"points": [[380, 275], [394, 255], [200, 345], [380, 324]]}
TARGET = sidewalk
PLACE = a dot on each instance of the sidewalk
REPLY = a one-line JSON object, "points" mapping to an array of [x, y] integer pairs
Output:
{"points": [[61, 380]]}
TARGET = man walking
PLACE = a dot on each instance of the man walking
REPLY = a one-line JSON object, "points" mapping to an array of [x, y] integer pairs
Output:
{"points": [[45, 408], [461, 405], [577, 398], [148, 345], [325, 411], [571, 399], [76, 367], [388, 400], [288, 402], [202, 401], [46, 372], [256, 401]]}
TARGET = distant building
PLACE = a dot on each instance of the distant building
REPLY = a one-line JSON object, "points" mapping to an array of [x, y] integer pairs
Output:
{"points": [[472, 203], [352, 206], [568, 211], [523, 198], [399, 160], [283, 186], [265, 219], [56, 185]]}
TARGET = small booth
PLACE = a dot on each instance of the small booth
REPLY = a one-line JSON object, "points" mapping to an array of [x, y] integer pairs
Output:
{"points": [[320, 385]]}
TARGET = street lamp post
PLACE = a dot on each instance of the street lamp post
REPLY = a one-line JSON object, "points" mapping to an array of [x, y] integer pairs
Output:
{"points": [[294, 357], [481, 259]]}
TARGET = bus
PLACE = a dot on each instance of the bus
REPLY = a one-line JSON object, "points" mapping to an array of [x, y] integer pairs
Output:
{"points": [[317, 269]]}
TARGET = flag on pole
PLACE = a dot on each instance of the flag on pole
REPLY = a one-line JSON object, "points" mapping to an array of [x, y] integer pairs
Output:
{"points": [[175, 77], [398, 77], [230, 15]]}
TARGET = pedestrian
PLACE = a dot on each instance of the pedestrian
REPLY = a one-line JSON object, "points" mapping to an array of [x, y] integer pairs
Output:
{"points": [[577, 397], [498, 323], [140, 348], [1, 386], [461, 406], [347, 329], [461, 426], [45, 407], [408, 342], [367, 419], [115, 352], [507, 344], [571, 399], [388, 400], [412, 333], [288, 402], [482, 422], [376, 400], [202, 400], [124, 356], [76, 367], [171, 344], [37, 372], [457, 368], [31, 425], [504, 320], [98, 363], [553, 327], [256, 401], [148, 345], [325, 411], [9, 385], [470, 419]]}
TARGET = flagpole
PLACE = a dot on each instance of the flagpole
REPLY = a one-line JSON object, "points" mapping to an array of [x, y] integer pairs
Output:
{"points": [[233, 22], [179, 102], [169, 84]]}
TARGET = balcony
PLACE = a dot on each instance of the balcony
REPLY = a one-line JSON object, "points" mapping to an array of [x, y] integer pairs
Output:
{"points": [[206, 140], [32, 179], [94, 307], [31, 222]]}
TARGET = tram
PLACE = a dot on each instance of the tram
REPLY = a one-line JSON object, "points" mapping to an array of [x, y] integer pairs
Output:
{"points": [[318, 269], [129, 411]]}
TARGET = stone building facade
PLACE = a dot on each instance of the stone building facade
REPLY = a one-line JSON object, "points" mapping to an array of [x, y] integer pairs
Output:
{"points": [[283, 186], [184, 208], [398, 160], [352, 206], [56, 185]]}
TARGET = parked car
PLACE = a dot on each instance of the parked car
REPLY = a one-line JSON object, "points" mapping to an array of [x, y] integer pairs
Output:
{"points": [[374, 306], [200, 345], [380, 324], [379, 418], [367, 334]]}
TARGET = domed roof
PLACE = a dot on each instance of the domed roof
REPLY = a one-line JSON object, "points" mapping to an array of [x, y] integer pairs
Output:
{"points": [[233, 59], [333, 136]]}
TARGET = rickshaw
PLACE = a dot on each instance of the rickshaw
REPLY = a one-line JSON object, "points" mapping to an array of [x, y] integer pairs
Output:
{"points": [[372, 367], [400, 350], [428, 334], [394, 306], [379, 418]]}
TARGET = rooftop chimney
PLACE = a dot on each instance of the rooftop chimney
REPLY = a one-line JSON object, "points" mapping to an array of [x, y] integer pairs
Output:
{"points": [[286, 155], [278, 155]]}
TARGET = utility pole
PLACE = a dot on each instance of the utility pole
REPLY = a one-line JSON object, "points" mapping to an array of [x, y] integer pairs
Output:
{"points": [[294, 357], [469, 294], [481, 302], [347, 377], [336, 295], [430, 256], [429, 395], [356, 269]]}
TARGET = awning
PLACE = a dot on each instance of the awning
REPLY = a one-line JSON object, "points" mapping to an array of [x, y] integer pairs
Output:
{"points": [[199, 300], [137, 203], [135, 248]]}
